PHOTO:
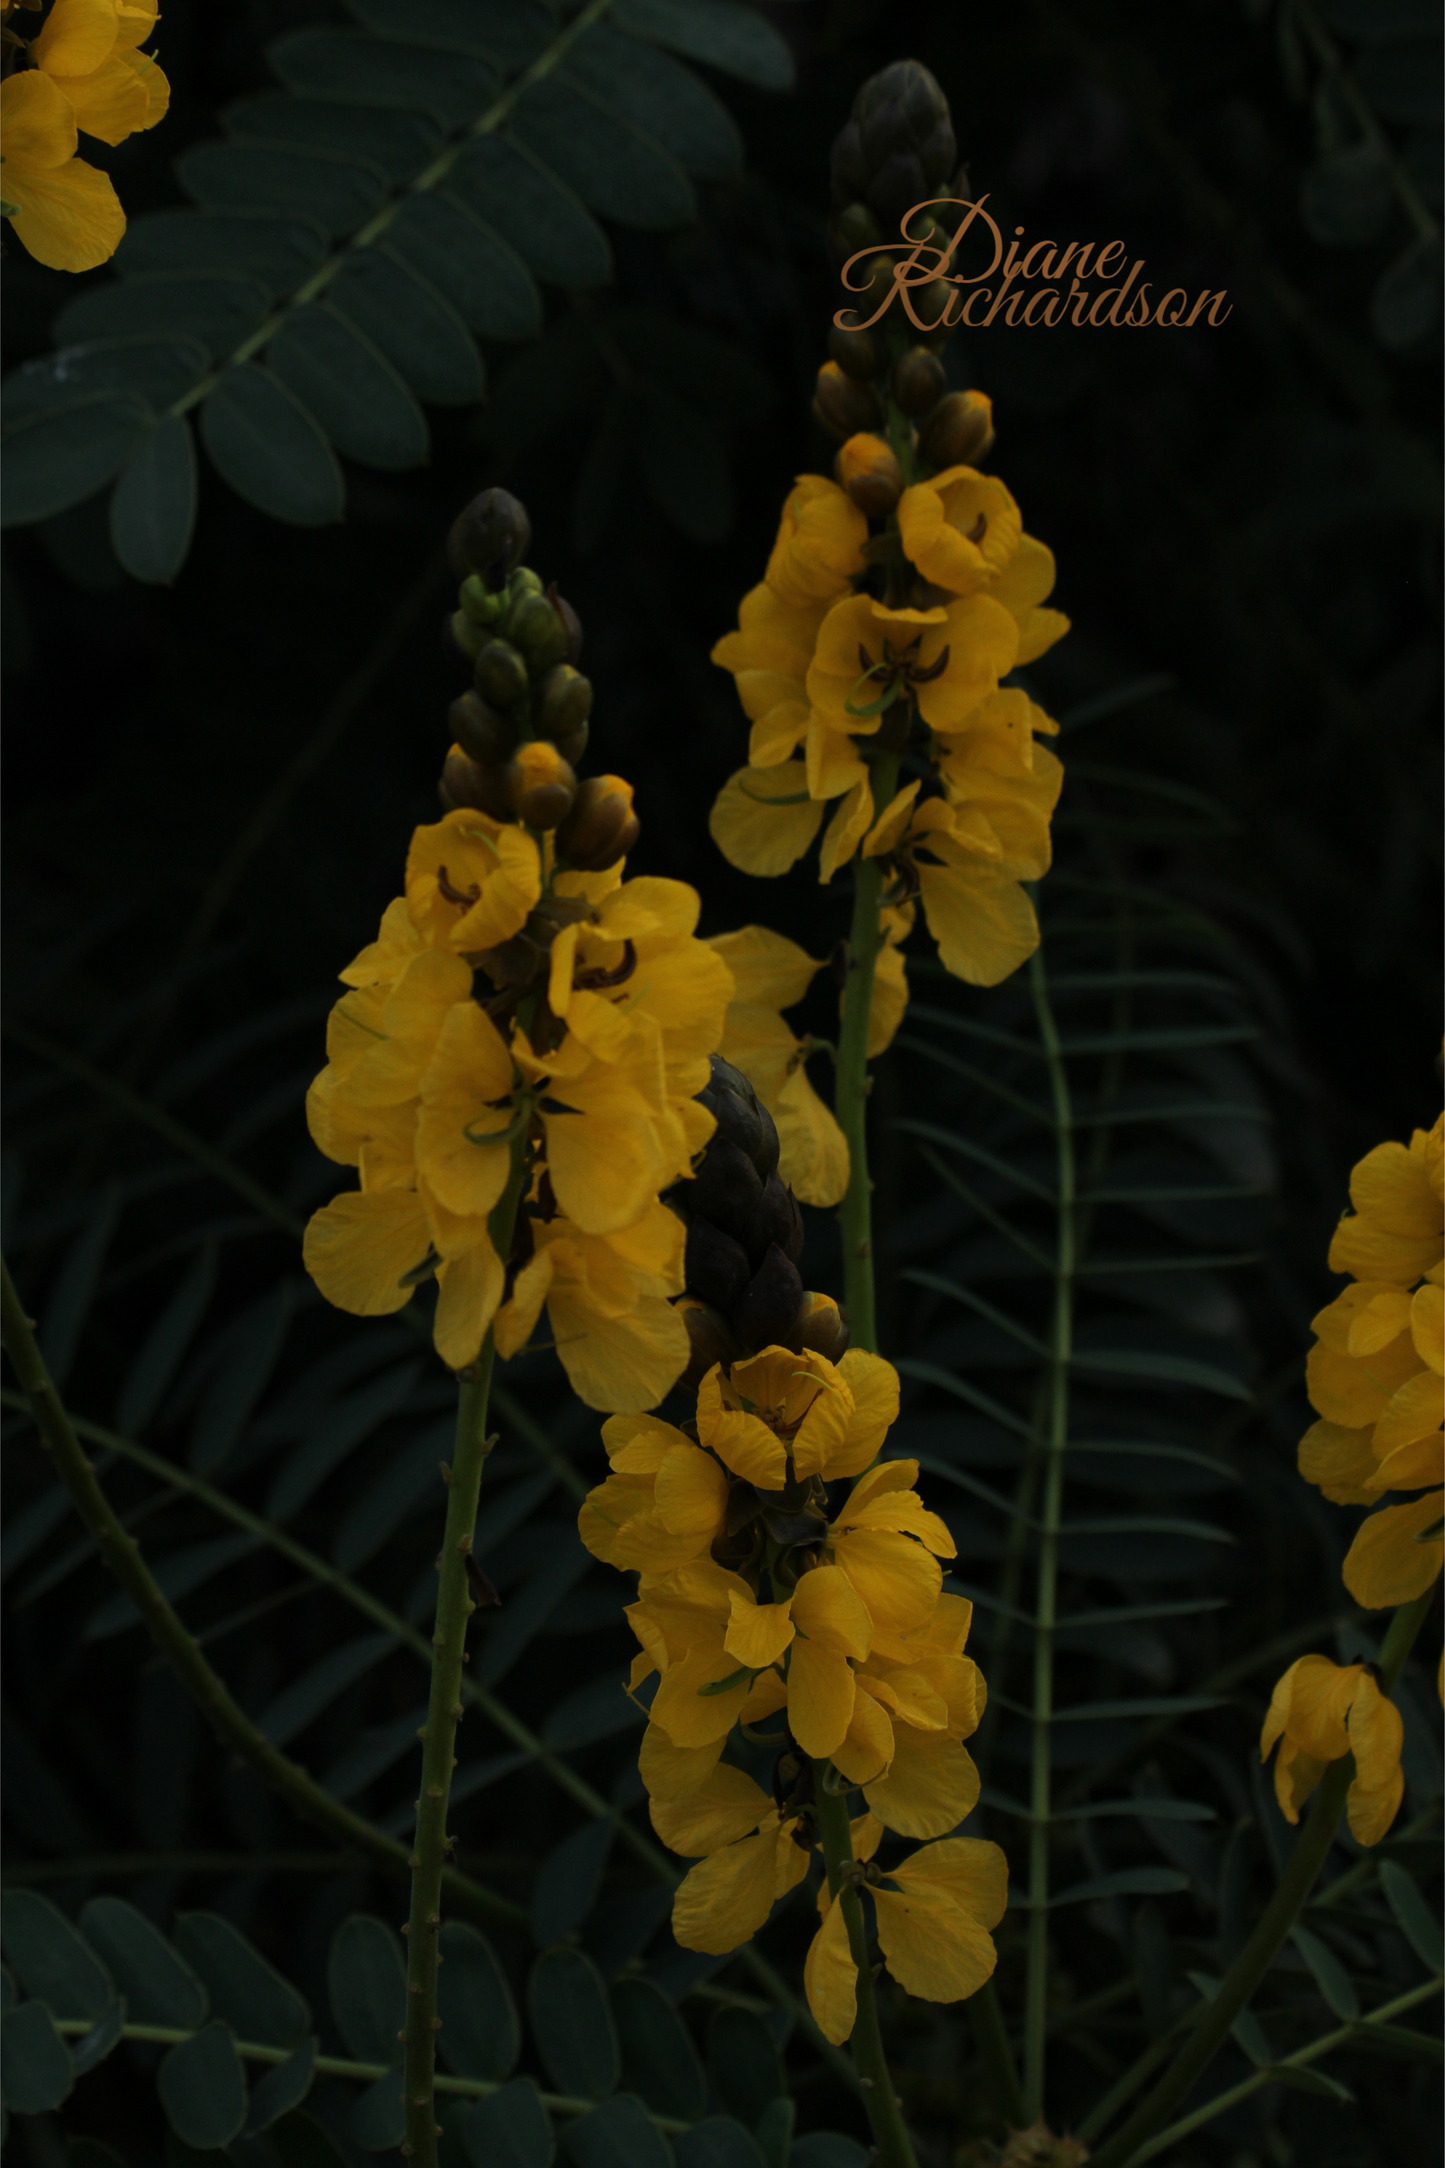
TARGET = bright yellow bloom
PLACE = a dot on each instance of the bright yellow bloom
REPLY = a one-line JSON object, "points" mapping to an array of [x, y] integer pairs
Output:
{"points": [[934, 1913], [953, 856], [964, 532], [471, 881], [618, 1336], [769, 656], [64, 212], [90, 50], [1395, 1230], [1320, 1712], [821, 542]]}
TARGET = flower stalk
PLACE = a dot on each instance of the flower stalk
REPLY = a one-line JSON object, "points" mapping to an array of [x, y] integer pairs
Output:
{"points": [[855, 1214], [885, 2110]]}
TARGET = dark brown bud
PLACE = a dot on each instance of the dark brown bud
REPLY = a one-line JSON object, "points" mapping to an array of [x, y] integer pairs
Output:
{"points": [[564, 702], [843, 405], [726, 1190], [779, 1220], [740, 1115], [540, 784], [764, 1315], [537, 631], [715, 1267], [491, 537], [713, 1341], [821, 1326], [602, 827], [857, 353], [959, 431], [870, 473], [480, 731], [501, 674], [918, 381], [467, 782]]}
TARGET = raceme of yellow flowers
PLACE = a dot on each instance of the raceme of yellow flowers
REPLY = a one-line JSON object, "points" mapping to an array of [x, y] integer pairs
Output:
{"points": [[822, 664], [86, 73], [790, 1600], [1374, 1378]]}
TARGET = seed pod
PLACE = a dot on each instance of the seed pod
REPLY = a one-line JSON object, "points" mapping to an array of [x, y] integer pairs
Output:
{"points": [[764, 1314], [601, 827], [959, 431], [870, 473], [821, 1326], [843, 405], [857, 353], [501, 674], [564, 702], [540, 785], [481, 606], [740, 1115], [715, 1267], [480, 731], [713, 1341], [918, 381], [490, 538], [465, 781]]}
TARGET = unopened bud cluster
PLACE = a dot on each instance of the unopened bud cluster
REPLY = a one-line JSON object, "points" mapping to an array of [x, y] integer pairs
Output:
{"points": [[744, 1241], [521, 729]]}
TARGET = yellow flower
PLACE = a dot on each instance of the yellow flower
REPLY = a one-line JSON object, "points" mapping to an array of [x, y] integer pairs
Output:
{"points": [[64, 212], [1395, 1231], [978, 914], [769, 974], [89, 49], [821, 542], [618, 1336], [1320, 1712], [946, 660], [934, 1912], [769, 656], [471, 881], [964, 532], [781, 1418]]}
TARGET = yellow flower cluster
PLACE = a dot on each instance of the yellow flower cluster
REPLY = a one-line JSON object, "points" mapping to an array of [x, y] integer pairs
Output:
{"points": [[87, 73], [1375, 1379], [821, 663], [447, 1084], [760, 1598]]}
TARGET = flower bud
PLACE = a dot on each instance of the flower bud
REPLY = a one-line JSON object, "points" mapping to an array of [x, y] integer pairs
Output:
{"points": [[897, 147], [463, 638], [481, 606], [564, 702], [778, 1221], [540, 785], [501, 674], [601, 827], [821, 1326], [765, 1312], [959, 431], [857, 353], [871, 475], [715, 1267], [490, 537], [854, 227], [918, 381], [843, 405], [928, 303], [570, 620], [726, 1190], [480, 731], [740, 1115], [536, 630], [465, 781], [713, 1341], [524, 581]]}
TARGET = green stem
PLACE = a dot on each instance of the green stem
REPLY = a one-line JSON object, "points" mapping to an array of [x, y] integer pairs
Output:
{"points": [[885, 2110], [1279, 1916], [1045, 1608], [855, 1214], [990, 2037], [444, 1712], [122, 1554]]}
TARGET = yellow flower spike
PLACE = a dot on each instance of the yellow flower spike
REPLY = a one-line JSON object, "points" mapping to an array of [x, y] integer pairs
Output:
{"points": [[960, 528], [471, 881], [763, 819], [1394, 1557], [65, 213], [832, 1626], [1321, 1711], [820, 546]]}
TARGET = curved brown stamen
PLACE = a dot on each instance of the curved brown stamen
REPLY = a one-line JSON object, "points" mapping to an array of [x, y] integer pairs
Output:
{"points": [[978, 530], [592, 981], [935, 669], [456, 895]]}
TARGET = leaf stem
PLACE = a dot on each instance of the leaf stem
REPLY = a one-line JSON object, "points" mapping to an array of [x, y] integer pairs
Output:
{"points": [[1045, 1606], [122, 1554], [850, 1099], [885, 2110], [1279, 1916]]}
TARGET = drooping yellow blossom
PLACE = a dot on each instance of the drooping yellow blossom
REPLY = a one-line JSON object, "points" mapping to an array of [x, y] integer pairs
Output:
{"points": [[1374, 1373], [64, 212], [934, 1912], [433, 1088], [1320, 1712], [968, 884], [91, 51]]}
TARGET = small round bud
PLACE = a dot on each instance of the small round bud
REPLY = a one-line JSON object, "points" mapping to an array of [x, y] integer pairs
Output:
{"points": [[870, 473], [463, 636], [570, 620], [601, 827], [821, 1326], [564, 702], [918, 381], [713, 1341], [524, 581], [482, 607], [490, 538], [857, 353], [480, 731], [843, 405], [852, 228], [501, 674], [465, 781], [535, 628], [740, 1115], [540, 784], [959, 431], [928, 303]]}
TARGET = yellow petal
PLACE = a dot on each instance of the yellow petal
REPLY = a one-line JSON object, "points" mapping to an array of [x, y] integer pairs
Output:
{"points": [[1319, 1697], [813, 1151], [1386, 1564], [622, 1363], [360, 1248], [75, 37], [1427, 1325], [846, 829], [768, 970], [113, 102], [1410, 1467], [820, 546], [874, 1386], [961, 528], [689, 1716], [1376, 1737], [933, 1949], [897, 1579], [758, 1632], [692, 1493], [828, 1610], [1415, 1410], [671, 1772], [724, 1900], [1340, 1461], [68, 215], [820, 1697], [983, 923], [1354, 1390], [636, 1444], [469, 1290], [763, 820], [516, 1321], [887, 831], [930, 1787], [970, 1872], [866, 1752], [830, 1978], [726, 1806], [742, 1441], [466, 1110]]}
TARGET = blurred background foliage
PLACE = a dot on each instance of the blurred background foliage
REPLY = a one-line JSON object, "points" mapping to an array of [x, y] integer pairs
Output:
{"points": [[210, 790]]}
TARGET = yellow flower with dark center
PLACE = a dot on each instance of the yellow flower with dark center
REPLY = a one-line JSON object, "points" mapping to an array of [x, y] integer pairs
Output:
{"points": [[1320, 1712], [471, 881], [64, 212], [90, 51], [934, 1911]]}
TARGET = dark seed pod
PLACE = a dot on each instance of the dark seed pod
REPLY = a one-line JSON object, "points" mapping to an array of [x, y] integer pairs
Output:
{"points": [[537, 631], [564, 702], [843, 405], [778, 1221], [501, 674], [491, 537], [601, 827], [726, 1190], [918, 381], [959, 431], [857, 353], [741, 1117], [713, 1341], [764, 1315], [715, 1267], [480, 731], [467, 782]]}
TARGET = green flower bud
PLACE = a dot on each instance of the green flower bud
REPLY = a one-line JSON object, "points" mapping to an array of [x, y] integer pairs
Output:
{"points": [[466, 636], [490, 538], [480, 731], [501, 674], [564, 702], [538, 631], [481, 607], [524, 581]]}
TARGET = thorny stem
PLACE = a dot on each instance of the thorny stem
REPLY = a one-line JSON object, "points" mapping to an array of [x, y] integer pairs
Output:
{"points": [[855, 1214], [444, 1710], [1289, 1900], [885, 2110], [121, 1553], [1036, 1990]]}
